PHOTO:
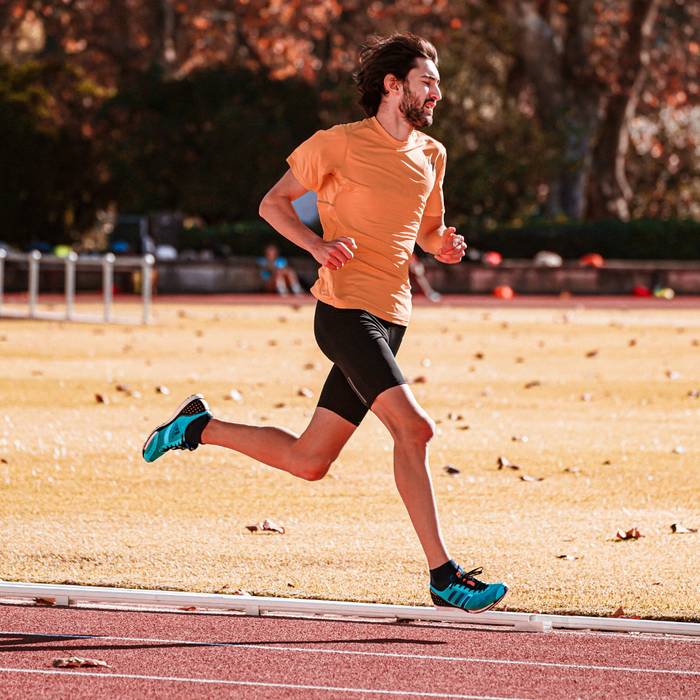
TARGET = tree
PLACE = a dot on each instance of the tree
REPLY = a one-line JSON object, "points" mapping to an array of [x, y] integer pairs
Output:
{"points": [[52, 180], [589, 63]]}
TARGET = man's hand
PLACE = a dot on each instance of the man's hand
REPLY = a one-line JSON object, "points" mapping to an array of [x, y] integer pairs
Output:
{"points": [[453, 247], [334, 254]]}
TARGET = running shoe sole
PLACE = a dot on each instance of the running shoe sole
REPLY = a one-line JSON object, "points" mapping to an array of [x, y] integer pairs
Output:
{"points": [[171, 420], [439, 602]]}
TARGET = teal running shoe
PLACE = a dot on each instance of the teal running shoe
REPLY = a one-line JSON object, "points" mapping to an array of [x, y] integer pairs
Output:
{"points": [[468, 593], [171, 435]]}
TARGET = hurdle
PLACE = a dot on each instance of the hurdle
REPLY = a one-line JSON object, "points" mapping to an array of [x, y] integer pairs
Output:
{"points": [[107, 263]]}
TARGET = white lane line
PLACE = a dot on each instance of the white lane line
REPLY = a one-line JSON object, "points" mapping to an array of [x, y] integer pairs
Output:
{"points": [[289, 686], [380, 654]]}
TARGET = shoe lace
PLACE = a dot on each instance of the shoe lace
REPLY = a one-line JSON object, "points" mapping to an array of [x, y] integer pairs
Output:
{"points": [[468, 579]]}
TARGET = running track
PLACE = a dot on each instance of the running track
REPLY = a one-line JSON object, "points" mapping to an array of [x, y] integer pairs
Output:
{"points": [[158, 654]]}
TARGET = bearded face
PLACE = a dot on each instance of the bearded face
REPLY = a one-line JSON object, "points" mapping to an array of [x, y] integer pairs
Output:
{"points": [[416, 113]]}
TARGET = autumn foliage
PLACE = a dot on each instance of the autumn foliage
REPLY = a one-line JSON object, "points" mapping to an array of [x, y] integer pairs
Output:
{"points": [[552, 108]]}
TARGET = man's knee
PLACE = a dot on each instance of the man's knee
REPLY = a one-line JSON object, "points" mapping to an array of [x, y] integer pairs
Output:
{"points": [[312, 468]]}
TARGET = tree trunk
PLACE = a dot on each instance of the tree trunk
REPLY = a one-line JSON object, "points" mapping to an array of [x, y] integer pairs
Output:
{"points": [[568, 98], [609, 191]]}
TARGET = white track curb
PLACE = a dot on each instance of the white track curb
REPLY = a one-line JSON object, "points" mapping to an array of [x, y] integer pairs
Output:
{"points": [[64, 595]]}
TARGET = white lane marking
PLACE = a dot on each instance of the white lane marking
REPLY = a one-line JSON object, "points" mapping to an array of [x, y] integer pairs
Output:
{"points": [[291, 686], [381, 654]]}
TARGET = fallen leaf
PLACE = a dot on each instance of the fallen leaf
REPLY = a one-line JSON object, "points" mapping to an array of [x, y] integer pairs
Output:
{"points": [[451, 470], [454, 416], [160, 389], [525, 477], [313, 365], [135, 394], [505, 462], [417, 380], [572, 470], [191, 607], [586, 397], [681, 529], [520, 438], [694, 393], [568, 557], [618, 613], [464, 427], [632, 342], [306, 392], [101, 398], [4, 461], [592, 353], [280, 405], [532, 385], [234, 395], [479, 356], [78, 661], [123, 387], [679, 450], [673, 375], [266, 526], [45, 601], [632, 534]]}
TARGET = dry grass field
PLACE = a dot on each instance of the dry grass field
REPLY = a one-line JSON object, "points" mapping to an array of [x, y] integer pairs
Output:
{"points": [[597, 404]]}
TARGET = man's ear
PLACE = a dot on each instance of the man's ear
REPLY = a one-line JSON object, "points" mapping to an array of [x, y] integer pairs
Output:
{"points": [[391, 84]]}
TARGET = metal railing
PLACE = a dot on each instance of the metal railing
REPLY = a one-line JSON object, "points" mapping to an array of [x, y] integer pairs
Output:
{"points": [[70, 263]]}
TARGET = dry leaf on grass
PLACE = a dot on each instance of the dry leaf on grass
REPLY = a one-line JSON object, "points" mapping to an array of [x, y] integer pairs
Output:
{"points": [[533, 384], [592, 353], [681, 529], [78, 661], [568, 557], [520, 438], [451, 470], [44, 601], [191, 607], [505, 462], [572, 470], [306, 392], [416, 380], [673, 375], [694, 393], [266, 526], [160, 389], [525, 477], [632, 534], [234, 395], [101, 398], [679, 450], [618, 613]]}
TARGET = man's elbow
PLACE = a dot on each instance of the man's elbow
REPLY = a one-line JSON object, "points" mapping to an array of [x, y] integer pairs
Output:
{"points": [[265, 207]]}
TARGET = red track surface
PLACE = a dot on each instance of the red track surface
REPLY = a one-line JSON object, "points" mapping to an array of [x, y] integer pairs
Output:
{"points": [[154, 654]]}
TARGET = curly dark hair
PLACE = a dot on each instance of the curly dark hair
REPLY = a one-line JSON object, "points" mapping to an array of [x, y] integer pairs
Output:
{"points": [[395, 55]]}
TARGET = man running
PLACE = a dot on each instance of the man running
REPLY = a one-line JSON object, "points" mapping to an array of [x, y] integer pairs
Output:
{"points": [[379, 187]]}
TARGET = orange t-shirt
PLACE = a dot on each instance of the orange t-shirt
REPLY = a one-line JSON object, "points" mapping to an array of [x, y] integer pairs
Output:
{"points": [[375, 190]]}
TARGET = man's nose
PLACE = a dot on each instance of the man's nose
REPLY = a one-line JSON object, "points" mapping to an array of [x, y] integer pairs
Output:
{"points": [[435, 93]]}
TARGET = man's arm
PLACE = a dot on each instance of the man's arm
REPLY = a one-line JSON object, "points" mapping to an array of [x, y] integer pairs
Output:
{"points": [[276, 208], [442, 241]]}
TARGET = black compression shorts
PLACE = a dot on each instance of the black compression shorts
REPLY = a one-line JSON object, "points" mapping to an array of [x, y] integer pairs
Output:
{"points": [[362, 348]]}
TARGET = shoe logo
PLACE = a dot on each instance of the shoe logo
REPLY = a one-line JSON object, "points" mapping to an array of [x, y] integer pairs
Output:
{"points": [[175, 431]]}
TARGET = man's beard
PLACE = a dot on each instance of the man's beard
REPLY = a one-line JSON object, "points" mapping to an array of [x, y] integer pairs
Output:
{"points": [[412, 112]]}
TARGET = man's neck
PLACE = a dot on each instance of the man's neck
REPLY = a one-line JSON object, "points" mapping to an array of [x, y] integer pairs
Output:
{"points": [[393, 123]]}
